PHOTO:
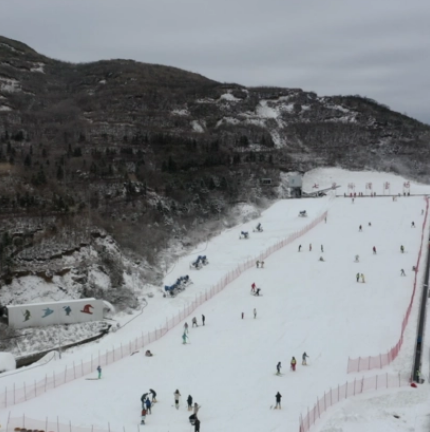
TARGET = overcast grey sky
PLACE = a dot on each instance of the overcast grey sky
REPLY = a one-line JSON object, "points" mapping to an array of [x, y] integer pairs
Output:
{"points": [[375, 48]]}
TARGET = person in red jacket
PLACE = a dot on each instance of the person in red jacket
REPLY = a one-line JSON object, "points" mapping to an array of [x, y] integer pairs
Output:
{"points": [[253, 286], [293, 364]]}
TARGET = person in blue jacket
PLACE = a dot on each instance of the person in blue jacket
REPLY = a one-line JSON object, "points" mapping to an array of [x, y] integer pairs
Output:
{"points": [[148, 405]]}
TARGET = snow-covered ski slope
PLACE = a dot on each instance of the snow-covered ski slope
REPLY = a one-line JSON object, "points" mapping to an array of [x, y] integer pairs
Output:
{"points": [[307, 305]]}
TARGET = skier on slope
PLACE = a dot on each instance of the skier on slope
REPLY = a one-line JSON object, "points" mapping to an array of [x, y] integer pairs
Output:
{"points": [[203, 319], [99, 371], [362, 278], [300, 247], [143, 416], [177, 396], [402, 249], [278, 368], [190, 402], [262, 264], [257, 264], [293, 364], [402, 272], [255, 313], [154, 395], [194, 322], [253, 286], [357, 258], [143, 399], [358, 277], [310, 247], [184, 338], [360, 228], [278, 400], [322, 248], [304, 357], [374, 250], [413, 225], [148, 405]]}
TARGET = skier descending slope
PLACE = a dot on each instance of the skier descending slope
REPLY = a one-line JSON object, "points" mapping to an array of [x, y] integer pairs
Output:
{"points": [[278, 400], [304, 357], [177, 396], [278, 368], [293, 364]]}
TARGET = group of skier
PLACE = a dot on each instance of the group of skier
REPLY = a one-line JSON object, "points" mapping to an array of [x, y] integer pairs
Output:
{"points": [[147, 404], [310, 248], [293, 363], [193, 324]]}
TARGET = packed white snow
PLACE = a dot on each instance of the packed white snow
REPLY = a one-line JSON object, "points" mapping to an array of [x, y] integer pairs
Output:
{"points": [[309, 305]]}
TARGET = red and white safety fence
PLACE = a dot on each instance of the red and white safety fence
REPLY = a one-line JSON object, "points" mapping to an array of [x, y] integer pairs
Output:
{"points": [[348, 390], [379, 361], [13, 394], [27, 424]]}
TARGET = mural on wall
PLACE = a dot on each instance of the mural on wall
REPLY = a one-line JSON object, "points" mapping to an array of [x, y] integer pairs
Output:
{"points": [[87, 309], [62, 312], [68, 310], [27, 315], [47, 312]]}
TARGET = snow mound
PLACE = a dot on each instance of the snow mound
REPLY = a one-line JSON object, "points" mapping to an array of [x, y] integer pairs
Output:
{"points": [[7, 362]]}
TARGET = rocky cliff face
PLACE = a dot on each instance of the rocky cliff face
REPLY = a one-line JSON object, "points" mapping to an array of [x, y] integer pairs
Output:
{"points": [[146, 152]]}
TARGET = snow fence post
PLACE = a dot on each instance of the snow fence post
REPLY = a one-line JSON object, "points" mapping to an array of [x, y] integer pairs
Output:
{"points": [[8, 420], [23, 420], [65, 376], [359, 359], [25, 392], [70, 425], [355, 380], [58, 425], [308, 420]]}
